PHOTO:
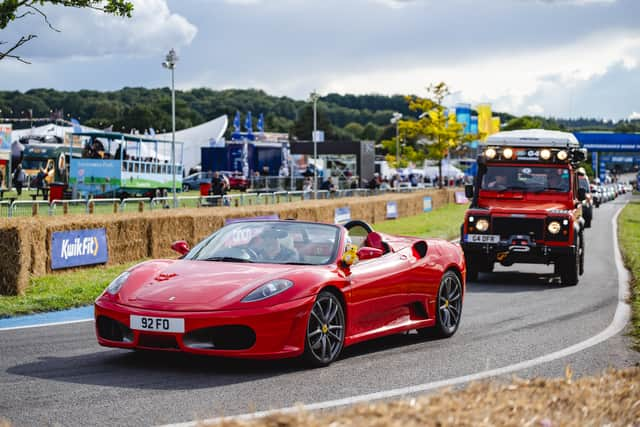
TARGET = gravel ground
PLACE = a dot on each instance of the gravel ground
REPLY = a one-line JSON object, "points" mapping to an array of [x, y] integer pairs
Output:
{"points": [[611, 399]]}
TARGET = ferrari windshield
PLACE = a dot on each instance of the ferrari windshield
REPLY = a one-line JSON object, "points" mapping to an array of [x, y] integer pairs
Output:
{"points": [[273, 242], [526, 178]]}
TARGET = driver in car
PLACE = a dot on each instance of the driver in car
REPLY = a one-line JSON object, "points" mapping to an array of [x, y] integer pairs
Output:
{"points": [[268, 247]]}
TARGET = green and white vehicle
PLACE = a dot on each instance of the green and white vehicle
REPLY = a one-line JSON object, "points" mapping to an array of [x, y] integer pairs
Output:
{"points": [[123, 165]]}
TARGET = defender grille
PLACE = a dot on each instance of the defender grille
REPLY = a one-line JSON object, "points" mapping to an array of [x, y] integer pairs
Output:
{"points": [[507, 227]]}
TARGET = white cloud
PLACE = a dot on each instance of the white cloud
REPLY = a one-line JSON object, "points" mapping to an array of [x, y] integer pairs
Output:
{"points": [[87, 33], [581, 2], [634, 116], [506, 80], [535, 109]]}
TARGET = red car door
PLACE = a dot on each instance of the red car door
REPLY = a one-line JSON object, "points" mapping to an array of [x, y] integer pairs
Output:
{"points": [[378, 292]]}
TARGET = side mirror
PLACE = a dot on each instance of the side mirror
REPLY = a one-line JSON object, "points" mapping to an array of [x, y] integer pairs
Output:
{"points": [[468, 191], [582, 194], [369, 253], [181, 247]]}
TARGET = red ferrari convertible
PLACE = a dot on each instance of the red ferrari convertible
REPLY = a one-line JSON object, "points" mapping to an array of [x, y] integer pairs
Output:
{"points": [[271, 289]]}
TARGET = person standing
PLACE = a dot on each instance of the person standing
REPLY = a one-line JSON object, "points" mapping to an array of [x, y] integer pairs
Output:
{"points": [[18, 178]]}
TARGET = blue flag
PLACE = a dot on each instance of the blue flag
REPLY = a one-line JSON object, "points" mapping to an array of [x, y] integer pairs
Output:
{"points": [[76, 125], [260, 125], [248, 123], [236, 122]]}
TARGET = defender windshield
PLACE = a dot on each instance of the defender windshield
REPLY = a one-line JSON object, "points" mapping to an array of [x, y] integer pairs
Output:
{"points": [[273, 242], [526, 178]]}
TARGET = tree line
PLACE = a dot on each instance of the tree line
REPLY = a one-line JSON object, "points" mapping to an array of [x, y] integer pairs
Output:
{"points": [[341, 117]]}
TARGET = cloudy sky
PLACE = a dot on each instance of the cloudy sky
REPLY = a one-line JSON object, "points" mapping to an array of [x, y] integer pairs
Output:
{"points": [[562, 58]]}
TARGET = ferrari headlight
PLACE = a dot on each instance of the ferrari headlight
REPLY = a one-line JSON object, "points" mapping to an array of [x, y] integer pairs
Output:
{"points": [[545, 154], [490, 153], [562, 155], [507, 153], [114, 287], [269, 289], [554, 227], [482, 225]]}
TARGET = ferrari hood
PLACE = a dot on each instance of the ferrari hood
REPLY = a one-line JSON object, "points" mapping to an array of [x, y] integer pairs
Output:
{"points": [[199, 285]]}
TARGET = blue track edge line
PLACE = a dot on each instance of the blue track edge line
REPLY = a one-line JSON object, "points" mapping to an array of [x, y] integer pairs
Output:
{"points": [[74, 314]]}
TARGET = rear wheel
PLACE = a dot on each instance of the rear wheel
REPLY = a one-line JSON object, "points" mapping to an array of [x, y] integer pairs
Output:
{"points": [[324, 337], [448, 307]]}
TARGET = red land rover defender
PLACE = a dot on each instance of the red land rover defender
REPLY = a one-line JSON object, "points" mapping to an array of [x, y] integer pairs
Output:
{"points": [[525, 204]]}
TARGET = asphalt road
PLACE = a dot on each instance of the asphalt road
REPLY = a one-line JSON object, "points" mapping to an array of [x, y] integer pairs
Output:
{"points": [[59, 375]]}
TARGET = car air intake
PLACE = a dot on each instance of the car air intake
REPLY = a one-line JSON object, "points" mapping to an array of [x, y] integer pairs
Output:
{"points": [[164, 342], [229, 337], [508, 226], [113, 330]]}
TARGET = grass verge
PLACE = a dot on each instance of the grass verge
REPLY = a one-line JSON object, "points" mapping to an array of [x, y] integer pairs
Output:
{"points": [[608, 399], [61, 291], [629, 238], [443, 222], [81, 287]]}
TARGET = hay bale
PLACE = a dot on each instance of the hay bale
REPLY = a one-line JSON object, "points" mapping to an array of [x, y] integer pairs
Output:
{"points": [[11, 260]]}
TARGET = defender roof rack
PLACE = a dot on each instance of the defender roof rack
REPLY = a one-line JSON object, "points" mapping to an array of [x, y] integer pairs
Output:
{"points": [[533, 138]]}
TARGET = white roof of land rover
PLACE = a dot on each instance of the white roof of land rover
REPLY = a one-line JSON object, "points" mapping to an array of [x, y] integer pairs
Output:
{"points": [[533, 138]]}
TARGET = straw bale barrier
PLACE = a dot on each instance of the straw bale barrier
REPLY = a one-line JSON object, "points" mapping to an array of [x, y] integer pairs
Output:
{"points": [[25, 243]]}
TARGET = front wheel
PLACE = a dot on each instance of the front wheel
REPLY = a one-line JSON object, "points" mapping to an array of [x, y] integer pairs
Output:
{"points": [[570, 266], [324, 336], [448, 307]]}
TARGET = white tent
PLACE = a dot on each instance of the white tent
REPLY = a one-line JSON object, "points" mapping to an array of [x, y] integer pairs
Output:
{"points": [[194, 138], [447, 170]]}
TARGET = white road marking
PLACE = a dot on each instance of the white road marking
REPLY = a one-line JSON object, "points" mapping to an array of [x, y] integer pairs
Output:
{"points": [[66, 322], [620, 319]]}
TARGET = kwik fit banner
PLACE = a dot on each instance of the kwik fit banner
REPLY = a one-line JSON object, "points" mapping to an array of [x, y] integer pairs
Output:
{"points": [[78, 247]]}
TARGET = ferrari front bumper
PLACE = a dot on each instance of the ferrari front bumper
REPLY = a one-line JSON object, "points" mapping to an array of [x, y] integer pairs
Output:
{"points": [[265, 333]]}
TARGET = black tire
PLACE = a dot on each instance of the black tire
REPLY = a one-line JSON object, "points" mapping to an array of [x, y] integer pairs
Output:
{"points": [[569, 267], [582, 245], [472, 272], [448, 308], [327, 322], [477, 265]]}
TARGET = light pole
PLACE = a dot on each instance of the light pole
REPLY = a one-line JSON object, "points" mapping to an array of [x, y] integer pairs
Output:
{"points": [[396, 120], [170, 63], [314, 98]]}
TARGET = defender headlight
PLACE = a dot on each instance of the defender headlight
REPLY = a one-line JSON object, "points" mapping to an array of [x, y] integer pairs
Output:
{"points": [[482, 225], [507, 153], [562, 155], [490, 153], [545, 154], [554, 227], [114, 287], [269, 289]]}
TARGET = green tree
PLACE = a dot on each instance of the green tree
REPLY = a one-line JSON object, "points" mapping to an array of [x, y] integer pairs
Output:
{"points": [[10, 10], [441, 132], [303, 126], [355, 130]]}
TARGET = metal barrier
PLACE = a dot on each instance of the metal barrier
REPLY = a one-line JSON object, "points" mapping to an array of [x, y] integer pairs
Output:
{"points": [[102, 206], [65, 207], [5, 208], [29, 208], [81, 206], [135, 204]]}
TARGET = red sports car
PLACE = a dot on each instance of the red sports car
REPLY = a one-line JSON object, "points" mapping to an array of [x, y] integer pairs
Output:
{"points": [[271, 289]]}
